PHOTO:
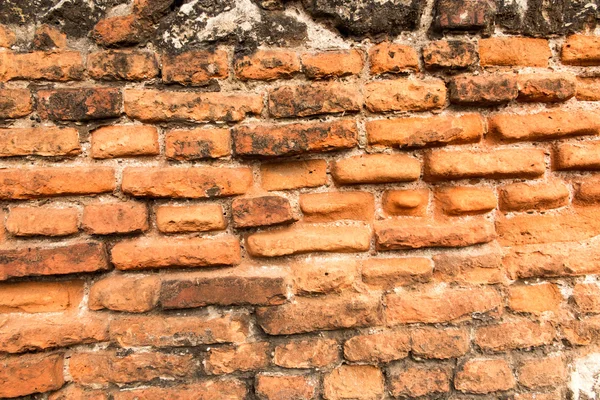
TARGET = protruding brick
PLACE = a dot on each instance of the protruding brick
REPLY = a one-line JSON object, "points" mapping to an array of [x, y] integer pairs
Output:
{"points": [[405, 95], [330, 64], [518, 334], [119, 30], [360, 382], [535, 299], [324, 275], [536, 373], [124, 65], [7, 36], [429, 342], [294, 174], [536, 196], [466, 200], [484, 376], [587, 297], [195, 68], [307, 314], [491, 164], [45, 221], [192, 218], [245, 357], [477, 268], [306, 353], [309, 238], [376, 168], [267, 65], [197, 144], [577, 156], [80, 104], [581, 50], [32, 373], [24, 297], [314, 99], [378, 348], [449, 54], [426, 132], [389, 57], [125, 141], [550, 88], [442, 305], [40, 65], [190, 182], [405, 202], [109, 218], [483, 90], [206, 389], [417, 381], [463, 15], [15, 103], [130, 293], [261, 211], [48, 37], [285, 387], [388, 273], [333, 206], [588, 88], [587, 190], [514, 51], [46, 142]]}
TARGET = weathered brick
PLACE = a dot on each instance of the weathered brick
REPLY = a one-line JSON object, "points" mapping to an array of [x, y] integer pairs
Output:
{"points": [[514, 51], [577, 156], [80, 104], [588, 88], [376, 168], [484, 267], [290, 139], [306, 353], [405, 202], [309, 238], [380, 347], [463, 15], [426, 132], [324, 275], [148, 253], [388, 273], [405, 95], [36, 260], [307, 314], [449, 54], [39, 65], [124, 65], [293, 174], [416, 381], [195, 68], [7, 36], [24, 297], [581, 50], [46, 142], [15, 103], [535, 299], [555, 395], [130, 293], [333, 206], [330, 64], [109, 218], [517, 334], [484, 376], [466, 200], [314, 99], [360, 382], [536, 196], [197, 144], [192, 218], [31, 373], [582, 331], [429, 342], [549, 88], [206, 389], [544, 126], [442, 305], [411, 234], [118, 30], [587, 297], [244, 357], [233, 286], [261, 211], [266, 65], [285, 387], [189, 182], [483, 90], [124, 141], [536, 373], [587, 190], [389, 57], [157, 105], [47, 37], [44, 221], [76, 392], [491, 164]]}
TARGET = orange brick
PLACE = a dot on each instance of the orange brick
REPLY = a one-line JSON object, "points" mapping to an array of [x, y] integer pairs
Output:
{"points": [[261, 211], [207, 389], [118, 30], [324, 275], [476, 268], [15, 103], [405, 95], [192, 218], [388, 273], [39, 65], [449, 54], [376, 168], [306, 353], [196, 67], [124, 141], [514, 51], [577, 156], [360, 382], [581, 50], [267, 65], [48, 37], [245, 357], [484, 376], [378, 348], [329, 64], [587, 297], [536, 196], [517, 334], [549, 88], [393, 58], [80, 104], [197, 144], [76, 392], [131, 293], [416, 381], [588, 88], [109, 218], [43, 221], [542, 372], [333, 206], [7, 36], [587, 190], [428, 342], [31, 373], [25, 296], [405, 202], [122, 65], [294, 174], [46, 142], [535, 299], [466, 200], [483, 90], [284, 387]]}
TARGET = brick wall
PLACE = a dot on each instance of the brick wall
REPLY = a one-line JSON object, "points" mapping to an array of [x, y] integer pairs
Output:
{"points": [[351, 216]]}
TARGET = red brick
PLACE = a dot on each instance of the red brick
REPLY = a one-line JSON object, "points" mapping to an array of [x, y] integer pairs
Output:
{"points": [[245, 357], [130, 293], [24, 297], [466, 200], [359, 382], [324, 275], [380, 347], [157, 105], [290, 139], [307, 314], [514, 334], [536, 373], [109, 218], [490, 164], [32, 373], [328, 64], [463, 15], [405, 202], [587, 297], [426, 132], [388, 273], [15, 103], [577, 156], [267, 65], [234, 286], [393, 58], [484, 376], [416, 381], [588, 88], [483, 90], [376, 168], [581, 50], [80, 104], [107, 366], [294, 174], [39, 65], [449, 54], [535, 299], [46, 142], [442, 305], [549, 88], [428, 342], [405, 95], [333, 206], [306, 353], [44, 221], [477, 268], [514, 51], [124, 141], [207, 389], [119, 30], [192, 218], [47, 37], [536, 196], [260, 211], [197, 144], [285, 387], [124, 65], [411, 234], [7, 36], [309, 238], [36, 260], [75, 392], [148, 253], [195, 68], [314, 99], [189, 182]]}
